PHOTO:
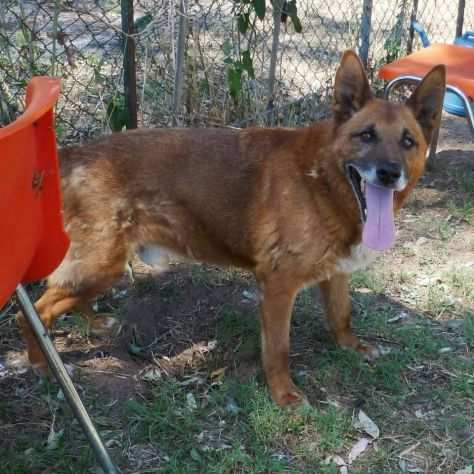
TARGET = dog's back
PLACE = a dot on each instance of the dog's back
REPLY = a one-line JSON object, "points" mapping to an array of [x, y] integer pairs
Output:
{"points": [[199, 192]]}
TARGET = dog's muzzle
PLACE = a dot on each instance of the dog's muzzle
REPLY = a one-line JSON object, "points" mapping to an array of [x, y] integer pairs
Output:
{"points": [[383, 173]]}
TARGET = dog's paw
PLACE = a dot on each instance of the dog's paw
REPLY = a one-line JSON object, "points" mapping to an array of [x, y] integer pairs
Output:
{"points": [[103, 325], [291, 397], [37, 361], [40, 368], [369, 353], [351, 341]]}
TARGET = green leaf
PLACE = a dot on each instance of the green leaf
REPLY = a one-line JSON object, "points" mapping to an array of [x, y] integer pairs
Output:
{"points": [[204, 87], [247, 64], [292, 11], [234, 79], [227, 47], [296, 23], [134, 349], [290, 8], [142, 22], [259, 7], [243, 22], [116, 114], [195, 455]]}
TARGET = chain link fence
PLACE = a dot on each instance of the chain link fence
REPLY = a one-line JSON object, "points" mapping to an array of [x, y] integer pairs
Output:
{"points": [[196, 64]]}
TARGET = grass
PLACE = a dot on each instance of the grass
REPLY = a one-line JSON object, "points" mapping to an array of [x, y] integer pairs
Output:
{"points": [[234, 427], [368, 279], [462, 206], [193, 422], [468, 329]]}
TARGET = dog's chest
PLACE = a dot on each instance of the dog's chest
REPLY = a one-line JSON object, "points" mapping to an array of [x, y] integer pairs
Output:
{"points": [[360, 257]]}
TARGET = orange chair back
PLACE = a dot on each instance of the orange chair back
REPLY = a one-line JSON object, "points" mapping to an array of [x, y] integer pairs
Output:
{"points": [[32, 239]]}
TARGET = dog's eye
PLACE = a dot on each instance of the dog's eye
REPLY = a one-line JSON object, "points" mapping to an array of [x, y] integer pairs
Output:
{"points": [[408, 142], [368, 136]]}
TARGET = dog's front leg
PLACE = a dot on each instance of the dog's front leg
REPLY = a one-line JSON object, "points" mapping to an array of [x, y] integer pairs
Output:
{"points": [[276, 304], [335, 292]]}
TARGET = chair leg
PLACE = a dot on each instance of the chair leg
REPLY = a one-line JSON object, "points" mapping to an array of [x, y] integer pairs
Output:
{"points": [[467, 106], [61, 375], [398, 81]]}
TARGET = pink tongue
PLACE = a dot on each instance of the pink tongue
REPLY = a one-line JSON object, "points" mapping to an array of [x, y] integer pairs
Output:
{"points": [[379, 228]]}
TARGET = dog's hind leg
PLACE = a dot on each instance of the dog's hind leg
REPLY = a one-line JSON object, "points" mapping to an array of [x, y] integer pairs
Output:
{"points": [[87, 270], [54, 302], [335, 292]]}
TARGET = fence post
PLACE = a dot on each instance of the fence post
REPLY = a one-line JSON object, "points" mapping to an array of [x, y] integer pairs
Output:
{"points": [[411, 34], [277, 9], [129, 64], [366, 25], [179, 72], [460, 19]]}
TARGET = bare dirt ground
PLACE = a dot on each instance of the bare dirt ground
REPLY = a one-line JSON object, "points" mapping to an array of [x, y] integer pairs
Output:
{"points": [[197, 327]]}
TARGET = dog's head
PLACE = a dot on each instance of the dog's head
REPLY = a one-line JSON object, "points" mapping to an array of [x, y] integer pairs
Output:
{"points": [[380, 146]]}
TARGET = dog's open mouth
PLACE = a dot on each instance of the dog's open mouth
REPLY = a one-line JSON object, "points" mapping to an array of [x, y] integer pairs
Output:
{"points": [[358, 188], [375, 205]]}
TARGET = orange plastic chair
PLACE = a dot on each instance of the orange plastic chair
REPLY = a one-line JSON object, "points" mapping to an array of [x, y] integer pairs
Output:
{"points": [[33, 242], [32, 239], [459, 62]]}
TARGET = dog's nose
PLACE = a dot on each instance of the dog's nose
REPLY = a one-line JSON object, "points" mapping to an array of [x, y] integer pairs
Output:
{"points": [[388, 172]]}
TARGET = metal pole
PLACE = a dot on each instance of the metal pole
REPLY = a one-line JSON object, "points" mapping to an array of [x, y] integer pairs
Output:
{"points": [[178, 78], [411, 34], [61, 375], [366, 25], [277, 9], [460, 18], [129, 64]]}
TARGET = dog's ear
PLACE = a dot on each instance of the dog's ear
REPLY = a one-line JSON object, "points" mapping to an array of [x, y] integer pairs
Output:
{"points": [[427, 100], [351, 88]]}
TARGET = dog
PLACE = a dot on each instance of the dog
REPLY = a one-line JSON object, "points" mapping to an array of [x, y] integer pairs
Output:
{"points": [[296, 207]]}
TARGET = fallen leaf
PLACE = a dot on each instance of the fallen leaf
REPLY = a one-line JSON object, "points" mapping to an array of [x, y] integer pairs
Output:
{"points": [[366, 424], [250, 295], [191, 401], [402, 464], [363, 290], [466, 470], [398, 317], [53, 438], [443, 350], [358, 448], [152, 375], [218, 374], [232, 407], [337, 460]]}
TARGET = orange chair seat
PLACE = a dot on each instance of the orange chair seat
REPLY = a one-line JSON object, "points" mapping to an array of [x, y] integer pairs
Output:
{"points": [[32, 240], [459, 62]]}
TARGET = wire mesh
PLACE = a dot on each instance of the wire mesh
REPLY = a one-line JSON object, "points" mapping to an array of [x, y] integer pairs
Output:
{"points": [[82, 42]]}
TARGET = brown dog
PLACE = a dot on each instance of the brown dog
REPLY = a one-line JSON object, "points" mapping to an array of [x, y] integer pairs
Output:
{"points": [[296, 207]]}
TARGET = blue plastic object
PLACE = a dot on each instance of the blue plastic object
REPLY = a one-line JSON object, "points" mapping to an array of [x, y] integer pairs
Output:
{"points": [[422, 33], [467, 39], [452, 102]]}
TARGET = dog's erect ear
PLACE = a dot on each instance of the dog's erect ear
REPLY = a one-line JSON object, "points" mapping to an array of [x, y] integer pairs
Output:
{"points": [[351, 89], [427, 100]]}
